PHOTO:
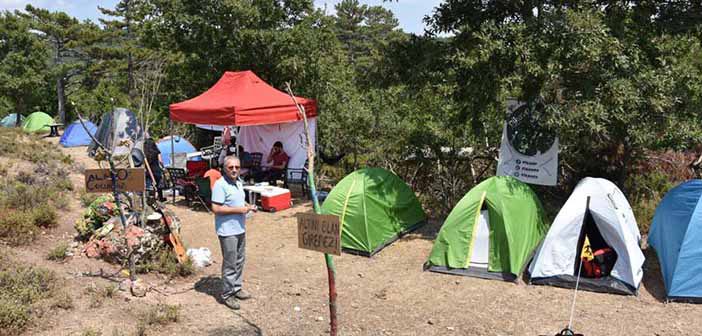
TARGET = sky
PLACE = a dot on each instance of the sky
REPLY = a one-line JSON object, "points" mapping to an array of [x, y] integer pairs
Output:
{"points": [[409, 12]]}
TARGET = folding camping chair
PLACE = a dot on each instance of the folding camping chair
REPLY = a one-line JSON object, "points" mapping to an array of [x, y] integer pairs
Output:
{"points": [[297, 176], [253, 166], [186, 186]]}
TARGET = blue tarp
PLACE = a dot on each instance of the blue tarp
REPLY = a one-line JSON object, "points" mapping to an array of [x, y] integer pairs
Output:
{"points": [[676, 235], [75, 134], [180, 144]]}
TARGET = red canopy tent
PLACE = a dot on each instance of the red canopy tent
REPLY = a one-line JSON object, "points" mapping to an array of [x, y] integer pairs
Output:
{"points": [[241, 99]]}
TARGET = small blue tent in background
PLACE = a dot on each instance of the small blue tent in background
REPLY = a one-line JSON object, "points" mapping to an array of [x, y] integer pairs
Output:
{"points": [[676, 235], [10, 120], [180, 145], [75, 134]]}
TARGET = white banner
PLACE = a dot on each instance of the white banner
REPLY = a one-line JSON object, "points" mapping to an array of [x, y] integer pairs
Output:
{"points": [[260, 139], [540, 168]]}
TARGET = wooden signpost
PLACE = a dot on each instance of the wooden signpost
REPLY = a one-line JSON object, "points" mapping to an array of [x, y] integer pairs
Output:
{"points": [[320, 233], [100, 180]]}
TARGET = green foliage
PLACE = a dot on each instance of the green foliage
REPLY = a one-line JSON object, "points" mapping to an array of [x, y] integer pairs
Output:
{"points": [[167, 263], [21, 288], [17, 227], [59, 252], [98, 212]]}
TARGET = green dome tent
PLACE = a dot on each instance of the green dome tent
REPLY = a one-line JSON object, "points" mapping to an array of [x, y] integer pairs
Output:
{"points": [[37, 122], [491, 232], [375, 208]]}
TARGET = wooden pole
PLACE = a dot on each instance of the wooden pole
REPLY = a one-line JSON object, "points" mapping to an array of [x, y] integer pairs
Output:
{"points": [[331, 270]]}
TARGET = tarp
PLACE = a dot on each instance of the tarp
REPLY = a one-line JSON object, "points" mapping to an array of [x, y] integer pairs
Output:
{"points": [[180, 145], [75, 135], [10, 120], [555, 260], [676, 235], [115, 127], [517, 223], [37, 122], [292, 135], [375, 207], [242, 99]]}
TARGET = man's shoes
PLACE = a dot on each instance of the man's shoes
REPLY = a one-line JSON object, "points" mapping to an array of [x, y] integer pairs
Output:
{"points": [[242, 295], [232, 302]]}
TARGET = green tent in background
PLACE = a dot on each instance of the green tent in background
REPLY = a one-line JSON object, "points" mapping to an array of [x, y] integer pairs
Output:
{"points": [[375, 207], [491, 232], [37, 122], [10, 120]]}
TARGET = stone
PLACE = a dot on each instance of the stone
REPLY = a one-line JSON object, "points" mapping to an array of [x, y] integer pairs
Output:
{"points": [[138, 288]]}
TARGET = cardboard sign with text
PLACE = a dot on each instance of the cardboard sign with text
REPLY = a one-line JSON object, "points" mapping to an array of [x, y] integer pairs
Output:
{"points": [[320, 233], [99, 180]]}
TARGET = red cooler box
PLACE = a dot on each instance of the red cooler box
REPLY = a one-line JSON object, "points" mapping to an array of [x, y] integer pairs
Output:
{"points": [[275, 199]]}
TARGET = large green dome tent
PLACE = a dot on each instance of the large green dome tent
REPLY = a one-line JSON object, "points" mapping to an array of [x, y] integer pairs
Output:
{"points": [[375, 207], [492, 231], [37, 122]]}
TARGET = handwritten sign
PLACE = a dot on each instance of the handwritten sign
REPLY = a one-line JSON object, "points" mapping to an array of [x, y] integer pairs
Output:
{"points": [[320, 233], [99, 180]]}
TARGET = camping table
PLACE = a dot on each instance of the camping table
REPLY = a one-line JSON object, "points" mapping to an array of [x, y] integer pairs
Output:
{"points": [[54, 129]]}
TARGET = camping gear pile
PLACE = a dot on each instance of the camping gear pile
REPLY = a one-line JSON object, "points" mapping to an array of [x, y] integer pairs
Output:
{"points": [[106, 238]]}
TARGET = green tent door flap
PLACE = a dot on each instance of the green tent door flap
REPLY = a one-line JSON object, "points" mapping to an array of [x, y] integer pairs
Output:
{"points": [[516, 223], [375, 208], [37, 122]]}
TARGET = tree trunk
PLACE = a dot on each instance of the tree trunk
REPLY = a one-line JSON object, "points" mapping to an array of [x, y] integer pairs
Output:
{"points": [[60, 92], [130, 62], [19, 111], [625, 165]]}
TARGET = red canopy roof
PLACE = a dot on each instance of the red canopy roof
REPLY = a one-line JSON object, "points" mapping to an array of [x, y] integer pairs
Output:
{"points": [[241, 98]]}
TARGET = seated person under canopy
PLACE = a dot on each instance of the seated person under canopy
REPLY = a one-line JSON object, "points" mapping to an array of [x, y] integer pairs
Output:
{"points": [[276, 162]]}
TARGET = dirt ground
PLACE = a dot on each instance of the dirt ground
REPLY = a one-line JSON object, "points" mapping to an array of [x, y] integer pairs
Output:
{"points": [[387, 294]]}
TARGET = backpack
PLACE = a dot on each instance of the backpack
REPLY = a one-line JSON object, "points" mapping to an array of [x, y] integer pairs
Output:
{"points": [[601, 264]]}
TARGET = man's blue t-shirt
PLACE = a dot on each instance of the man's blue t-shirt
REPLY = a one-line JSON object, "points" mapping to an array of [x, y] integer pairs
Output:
{"points": [[228, 193]]}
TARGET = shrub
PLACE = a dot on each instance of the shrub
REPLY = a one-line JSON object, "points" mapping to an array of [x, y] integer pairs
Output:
{"points": [[17, 195], [63, 301], [44, 215], [167, 263], [17, 227], [91, 332], [86, 199], [59, 252], [21, 288]]}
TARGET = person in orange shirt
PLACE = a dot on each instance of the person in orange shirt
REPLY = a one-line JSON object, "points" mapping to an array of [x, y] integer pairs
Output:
{"points": [[213, 174]]}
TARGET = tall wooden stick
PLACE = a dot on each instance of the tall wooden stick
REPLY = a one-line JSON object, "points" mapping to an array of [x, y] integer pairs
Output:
{"points": [[331, 270]]}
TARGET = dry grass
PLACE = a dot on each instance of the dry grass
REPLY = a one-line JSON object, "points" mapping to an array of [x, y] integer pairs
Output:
{"points": [[30, 197], [22, 289], [159, 315], [98, 295], [59, 252]]}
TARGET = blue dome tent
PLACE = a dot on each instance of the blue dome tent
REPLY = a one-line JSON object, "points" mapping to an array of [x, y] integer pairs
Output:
{"points": [[676, 235], [10, 120], [75, 134], [180, 145]]}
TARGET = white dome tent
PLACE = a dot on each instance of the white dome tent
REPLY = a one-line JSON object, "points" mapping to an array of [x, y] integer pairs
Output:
{"points": [[608, 221]]}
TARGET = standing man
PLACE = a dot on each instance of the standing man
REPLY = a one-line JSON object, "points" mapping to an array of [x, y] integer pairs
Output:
{"points": [[230, 210], [153, 156]]}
